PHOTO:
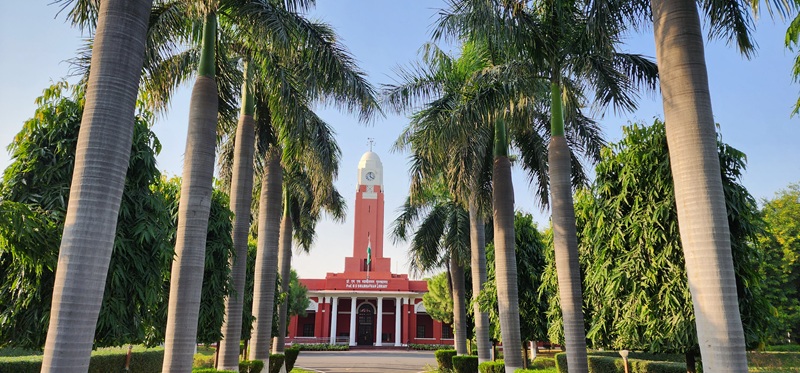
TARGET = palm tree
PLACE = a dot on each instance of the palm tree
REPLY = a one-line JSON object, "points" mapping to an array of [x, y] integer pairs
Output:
{"points": [[702, 217], [241, 192], [569, 45], [102, 158], [196, 187], [308, 191], [442, 239]]}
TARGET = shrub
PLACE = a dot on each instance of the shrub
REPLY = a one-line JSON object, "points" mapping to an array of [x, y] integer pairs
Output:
{"points": [[102, 361], [561, 362], [783, 348], [321, 347], [649, 366], [203, 361], [251, 366], [492, 367], [465, 364], [417, 346], [445, 359], [605, 364], [21, 364], [291, 356], [275, 363], [543, 363]]}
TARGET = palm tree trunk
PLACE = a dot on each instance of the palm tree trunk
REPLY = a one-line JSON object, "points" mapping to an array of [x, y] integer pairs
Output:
{"points": [[193, 210], [285, 265], [505, 256], [477, 239], [565, 239], [702, 217], [101, 162], [269, 214], [459, 305], [241, 198]]}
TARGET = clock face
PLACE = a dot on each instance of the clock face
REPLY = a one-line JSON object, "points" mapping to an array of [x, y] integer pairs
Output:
{"points": [[370, 176]]}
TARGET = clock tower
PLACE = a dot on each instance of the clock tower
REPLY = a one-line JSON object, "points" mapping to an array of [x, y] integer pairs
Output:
{"points": [[368, 230]]}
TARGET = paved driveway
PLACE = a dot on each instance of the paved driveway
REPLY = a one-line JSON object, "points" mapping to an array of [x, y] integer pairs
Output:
{"points": [[361, 361]]}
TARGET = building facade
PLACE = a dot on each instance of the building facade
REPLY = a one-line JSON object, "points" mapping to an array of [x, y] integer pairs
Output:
{"points": [[367, 304]]}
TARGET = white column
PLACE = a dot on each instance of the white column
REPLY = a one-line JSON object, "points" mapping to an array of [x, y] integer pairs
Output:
{"points": [[397, 316], [352, 321], [334, 318], [379, 333]]}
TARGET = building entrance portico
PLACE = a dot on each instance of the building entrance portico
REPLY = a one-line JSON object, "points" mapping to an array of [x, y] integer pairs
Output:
{"points": [[367, 304]]}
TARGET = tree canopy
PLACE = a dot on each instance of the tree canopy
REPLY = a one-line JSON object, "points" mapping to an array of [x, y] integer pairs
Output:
{"points": [[634, 277], [33, 198], [781, 245]]}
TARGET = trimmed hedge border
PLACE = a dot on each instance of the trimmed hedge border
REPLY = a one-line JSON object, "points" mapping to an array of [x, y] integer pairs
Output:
{"points": [[609, 364], [291, 356], [102, 361], [492, 367], [465, 364], [275, 363], [321, 347], [251, 366], [444, 358], [424, 347]]}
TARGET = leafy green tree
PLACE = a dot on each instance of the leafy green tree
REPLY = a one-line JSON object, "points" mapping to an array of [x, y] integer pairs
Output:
{"points": [[530, 249], [781, 245], [634, 279], [33, 200], [216, 282], [438, 300], [296, 299]]}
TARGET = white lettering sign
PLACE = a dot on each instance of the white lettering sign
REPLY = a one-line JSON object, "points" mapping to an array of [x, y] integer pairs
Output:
{"points": [[367, 284]]}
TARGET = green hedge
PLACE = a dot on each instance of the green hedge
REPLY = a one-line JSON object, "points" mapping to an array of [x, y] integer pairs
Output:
{"points": [[465, 364], [275, 363], [445, 359], [542, 363], [102, 361], [251, 366], [648, 366], [210, 370], [417, 346], [291, 356], [783, 348], [321, 347], [608, 364], [492, 367]]}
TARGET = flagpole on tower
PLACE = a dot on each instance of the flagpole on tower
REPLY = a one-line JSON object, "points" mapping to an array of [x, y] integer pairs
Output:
{"points": [[369, 254]]}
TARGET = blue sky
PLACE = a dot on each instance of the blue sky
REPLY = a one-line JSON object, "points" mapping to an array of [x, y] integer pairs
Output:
{"points": [[752, 101]]}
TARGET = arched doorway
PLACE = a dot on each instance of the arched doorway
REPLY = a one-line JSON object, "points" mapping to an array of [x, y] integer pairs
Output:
{"points": [[366, 322]]}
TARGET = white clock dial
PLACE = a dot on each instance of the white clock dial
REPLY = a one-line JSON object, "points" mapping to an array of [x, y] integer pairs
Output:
{"points": [[370, 176]]}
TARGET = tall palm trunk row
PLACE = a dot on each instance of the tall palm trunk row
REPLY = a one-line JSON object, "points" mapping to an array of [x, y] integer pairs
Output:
{"points": [[477, 237], [241, 198], [285, 267], [269, 216], [565, 239], [193, 211], [702, 217], [459, 304], [505, 260], [101, 162]]}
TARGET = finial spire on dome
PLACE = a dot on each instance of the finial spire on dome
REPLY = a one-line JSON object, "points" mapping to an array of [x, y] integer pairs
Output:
{"points": [[370, 142]]}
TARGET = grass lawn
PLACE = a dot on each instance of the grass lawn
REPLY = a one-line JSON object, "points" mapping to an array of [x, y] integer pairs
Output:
{"points": [[773, 362], [300, 370]]}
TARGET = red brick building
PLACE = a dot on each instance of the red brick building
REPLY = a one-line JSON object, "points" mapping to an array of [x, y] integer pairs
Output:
{"points": [[367, 304]]}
